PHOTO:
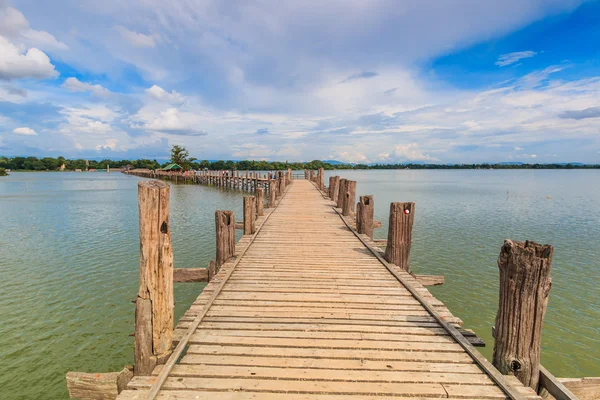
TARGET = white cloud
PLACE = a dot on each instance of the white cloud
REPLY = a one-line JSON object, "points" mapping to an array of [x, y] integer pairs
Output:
{"points": [[158, 93], [410, 152], [14, 25], [25, 131], [75, 85], [519, 148], [511, 58], [16, 64], [137, 39]]}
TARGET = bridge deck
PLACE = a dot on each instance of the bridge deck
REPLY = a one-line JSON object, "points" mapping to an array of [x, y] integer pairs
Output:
{"points": [[309, 313]]}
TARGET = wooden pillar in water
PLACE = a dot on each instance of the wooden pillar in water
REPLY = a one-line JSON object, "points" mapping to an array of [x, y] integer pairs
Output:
{"points": [[330, 187], [524, 288], [334, 188], [364, 215], [154, 303], [341, 193], [322, 178], [225, 237], [272, 193], [399, 241], [249, 215], [260, 201], [350, 200]]}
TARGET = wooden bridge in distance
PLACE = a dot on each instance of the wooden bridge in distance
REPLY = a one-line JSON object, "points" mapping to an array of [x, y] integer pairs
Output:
{"points": [[307, 305], [307, 311]]}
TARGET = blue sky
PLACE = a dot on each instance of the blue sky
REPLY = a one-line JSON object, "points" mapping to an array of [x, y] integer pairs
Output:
{"points": [[379, 81]]}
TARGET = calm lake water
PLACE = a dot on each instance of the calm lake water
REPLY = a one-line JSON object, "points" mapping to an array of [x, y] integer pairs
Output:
{"points": [[69, 260]]}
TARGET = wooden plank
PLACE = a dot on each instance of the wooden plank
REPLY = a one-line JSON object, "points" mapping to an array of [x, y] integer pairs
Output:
{"points": [[583, 388], [190, 275], [94, 386]]}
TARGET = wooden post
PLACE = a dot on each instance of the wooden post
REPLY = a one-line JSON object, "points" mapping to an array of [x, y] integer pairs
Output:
{"points": [[260, 201], [399, 241], [350, 200], [341, 193], [154, 303], [249, 214], [364, 215], [272, 192], [330, 188], [322, 178], [524, 288], [334, 188], [225, 237]]}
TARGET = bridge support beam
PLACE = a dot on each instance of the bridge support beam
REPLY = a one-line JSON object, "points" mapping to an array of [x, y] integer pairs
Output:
{"points": [[364, 215], [154, 303], [524, 288], [399, 241]]}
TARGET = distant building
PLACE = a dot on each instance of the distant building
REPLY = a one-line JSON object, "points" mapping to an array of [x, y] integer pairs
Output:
{"points": [[62, 167], [172, 167]]}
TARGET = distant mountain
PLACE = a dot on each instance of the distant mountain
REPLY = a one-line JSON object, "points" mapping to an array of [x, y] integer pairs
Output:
{"points": [[510, 163], [336, 162]]}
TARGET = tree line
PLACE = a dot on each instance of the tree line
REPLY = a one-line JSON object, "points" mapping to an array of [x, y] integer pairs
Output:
{"points": [[180, 156]]}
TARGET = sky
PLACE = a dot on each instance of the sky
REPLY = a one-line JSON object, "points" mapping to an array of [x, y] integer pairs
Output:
{"points": [[383, 81]]}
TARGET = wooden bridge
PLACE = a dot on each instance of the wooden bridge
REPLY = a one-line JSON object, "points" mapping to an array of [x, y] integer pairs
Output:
{"points": [[306, 306], [307, 311]]}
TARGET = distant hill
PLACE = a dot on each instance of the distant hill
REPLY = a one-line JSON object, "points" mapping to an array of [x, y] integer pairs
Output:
{"points": [[336, 162]]}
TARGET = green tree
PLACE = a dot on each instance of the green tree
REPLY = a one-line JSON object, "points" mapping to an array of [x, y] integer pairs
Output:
{"points": [[180, 156], [3, 172]]}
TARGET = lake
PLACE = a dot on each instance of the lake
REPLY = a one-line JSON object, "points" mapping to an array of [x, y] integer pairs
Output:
{"points": [[69, 259]]}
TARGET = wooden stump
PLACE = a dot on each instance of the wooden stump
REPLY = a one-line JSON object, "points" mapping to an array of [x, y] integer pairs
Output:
{"points": [[322, 178], [364, 215], [399, 241], [154, 303], [334, 188], [350, 200], [524, 288], [225, 237], [249, 215], [341, 193], [272, 193], [260, 201]]}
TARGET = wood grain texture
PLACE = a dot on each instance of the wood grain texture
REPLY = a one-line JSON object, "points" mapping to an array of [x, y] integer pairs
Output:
{"points": [[154, 304], [524, 288], [397, 252]]}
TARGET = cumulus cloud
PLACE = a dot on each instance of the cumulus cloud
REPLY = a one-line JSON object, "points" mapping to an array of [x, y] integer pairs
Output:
{"points": [[75, 85], [24, 131], [158, 93], [14, 25], [137, 39], [511, 58], [171, 121], [16, 64]]}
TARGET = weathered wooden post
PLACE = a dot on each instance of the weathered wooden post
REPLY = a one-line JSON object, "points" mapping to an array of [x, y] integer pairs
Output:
{"points": [[399, 241], [322, 178], [524, 288], [260, 201], [154, 303], [341, 193], [281, 183], [249, 215], [225, 236], [311, 175], [272, 193], [334, 188], [364, 215], [330, 187], [350, 200]]}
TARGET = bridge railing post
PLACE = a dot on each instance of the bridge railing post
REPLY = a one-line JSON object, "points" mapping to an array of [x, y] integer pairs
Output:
{"points": [[249, 215], [260, 201], [401, 220], [364, 215], [350, 199], [524, 289], [341, 196], [225, 238], [154, 302]]}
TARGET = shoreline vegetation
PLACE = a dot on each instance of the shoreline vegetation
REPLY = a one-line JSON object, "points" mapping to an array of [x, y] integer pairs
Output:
{"points": [[22, 164]]}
